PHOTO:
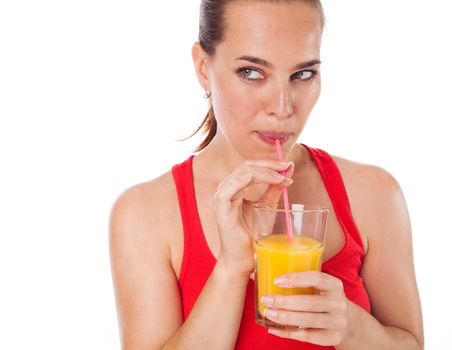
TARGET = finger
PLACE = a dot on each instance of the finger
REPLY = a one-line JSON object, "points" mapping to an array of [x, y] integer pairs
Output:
{"points": [[230, 192], [268, 171], [273, 192], [289, 171], [314, 336], [321, 320], [307, 303], [223, 199], [269, 164], [231, 186], [316, 279], [237, 182]]}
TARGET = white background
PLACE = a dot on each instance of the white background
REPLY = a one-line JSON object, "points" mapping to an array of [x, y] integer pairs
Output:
{"points": [[94, 95]]}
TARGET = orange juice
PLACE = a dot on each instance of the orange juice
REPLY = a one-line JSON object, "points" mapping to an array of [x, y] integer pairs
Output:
{"points": [[276, 255]]}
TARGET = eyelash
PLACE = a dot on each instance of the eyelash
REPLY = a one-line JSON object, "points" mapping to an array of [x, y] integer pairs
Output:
{"points": [[242, 75]]}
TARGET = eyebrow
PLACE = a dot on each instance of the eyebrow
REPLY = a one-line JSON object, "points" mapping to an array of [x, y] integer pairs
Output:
{"points": [[264, 63]]}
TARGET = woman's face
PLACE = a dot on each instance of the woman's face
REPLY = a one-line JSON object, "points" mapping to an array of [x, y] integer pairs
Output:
{"points": [[264, 76]]}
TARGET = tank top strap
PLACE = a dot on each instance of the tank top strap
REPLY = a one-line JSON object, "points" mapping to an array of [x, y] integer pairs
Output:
{"points": [[335, 188], [195, 246]]}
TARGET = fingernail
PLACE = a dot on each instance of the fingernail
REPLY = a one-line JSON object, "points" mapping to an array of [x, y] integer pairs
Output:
{"points": [[281, 280], [274, 331], [288, 181], [267, 300], [270, 313], [285, 164]]}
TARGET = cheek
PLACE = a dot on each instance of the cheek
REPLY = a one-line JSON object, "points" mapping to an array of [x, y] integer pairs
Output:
{"points": [[317, 87], [235, 101], [308, 98]]}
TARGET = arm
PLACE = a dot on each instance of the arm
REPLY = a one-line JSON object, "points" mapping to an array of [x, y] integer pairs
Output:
{"points": [[146, 286], [147, 294], [215, 318], [388, 273]]}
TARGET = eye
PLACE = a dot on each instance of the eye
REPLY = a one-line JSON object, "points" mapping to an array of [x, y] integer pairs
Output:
{"points": [[250, 74], [304, 75]]}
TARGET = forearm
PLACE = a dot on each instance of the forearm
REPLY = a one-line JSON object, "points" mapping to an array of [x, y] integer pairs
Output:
{"points": [[215, 318], [365, 332]]}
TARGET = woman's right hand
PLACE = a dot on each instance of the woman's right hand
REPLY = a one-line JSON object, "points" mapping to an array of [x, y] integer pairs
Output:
{"points": [[231, 208]]}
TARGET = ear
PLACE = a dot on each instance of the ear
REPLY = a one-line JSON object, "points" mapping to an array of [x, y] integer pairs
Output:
{"points": [[200, 60]]}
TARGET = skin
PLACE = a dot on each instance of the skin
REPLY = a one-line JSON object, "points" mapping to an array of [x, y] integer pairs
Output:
{"points": [[146, 235]]}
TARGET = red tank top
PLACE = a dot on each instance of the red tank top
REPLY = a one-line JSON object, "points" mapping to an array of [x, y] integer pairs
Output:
{"points": [[198, 261]]}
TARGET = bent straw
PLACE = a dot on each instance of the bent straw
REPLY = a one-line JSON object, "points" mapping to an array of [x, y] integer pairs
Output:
{"points": [[285, 194]]}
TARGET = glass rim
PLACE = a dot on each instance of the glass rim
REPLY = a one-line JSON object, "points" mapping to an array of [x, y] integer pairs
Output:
{"points": [[307, 208]]}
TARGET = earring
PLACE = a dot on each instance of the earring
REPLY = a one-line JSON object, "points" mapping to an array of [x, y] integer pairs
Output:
{"points": [[207, 94]]}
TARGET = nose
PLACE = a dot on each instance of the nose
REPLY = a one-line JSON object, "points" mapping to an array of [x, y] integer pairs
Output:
{"points": [[280, 102]]}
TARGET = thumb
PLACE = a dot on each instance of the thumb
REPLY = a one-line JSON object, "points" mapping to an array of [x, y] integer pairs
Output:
{"points": [[273, 192]]}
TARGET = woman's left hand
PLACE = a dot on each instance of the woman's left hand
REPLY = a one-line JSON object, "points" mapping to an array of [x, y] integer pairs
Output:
{"points": [[323, 318]]}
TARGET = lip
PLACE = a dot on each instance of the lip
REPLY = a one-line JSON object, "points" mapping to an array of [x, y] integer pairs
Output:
{"points": [[270, 137]]}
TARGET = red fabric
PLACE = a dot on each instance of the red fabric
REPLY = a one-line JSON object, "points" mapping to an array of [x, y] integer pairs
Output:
{"points": [[198, 261]]}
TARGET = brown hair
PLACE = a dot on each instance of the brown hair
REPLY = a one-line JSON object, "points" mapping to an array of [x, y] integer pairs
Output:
{"points": [[211, 31]]}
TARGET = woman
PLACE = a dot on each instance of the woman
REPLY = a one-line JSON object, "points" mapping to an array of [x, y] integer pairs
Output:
{"points": [[181, 257]]}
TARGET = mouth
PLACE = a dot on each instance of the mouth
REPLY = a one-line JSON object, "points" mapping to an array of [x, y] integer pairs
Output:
{"points": [[270, 137]]}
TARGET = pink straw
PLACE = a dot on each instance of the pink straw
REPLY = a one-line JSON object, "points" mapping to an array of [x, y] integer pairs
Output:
{"points": [[285, 195]]}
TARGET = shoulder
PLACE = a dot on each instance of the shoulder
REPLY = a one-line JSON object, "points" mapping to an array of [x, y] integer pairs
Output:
{"points": [[144, 213], [376, 199], [366, 177], [149, 199]]}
